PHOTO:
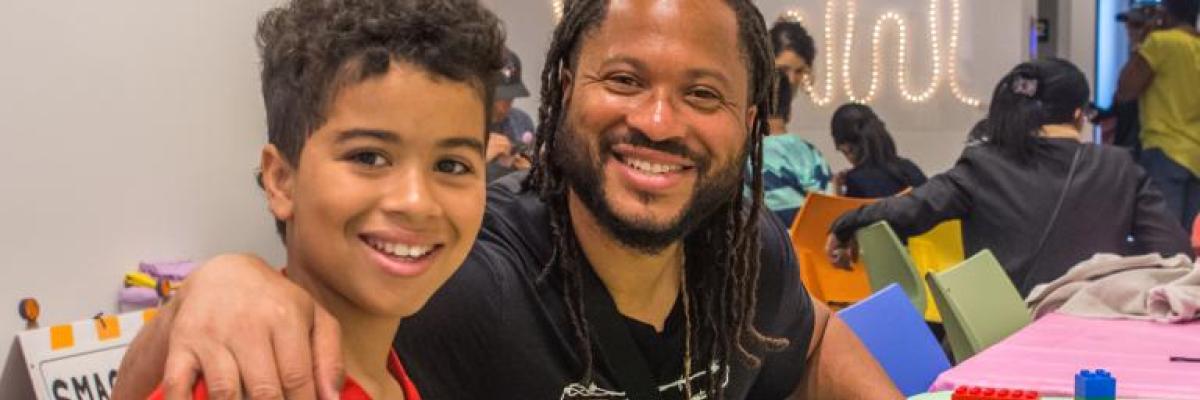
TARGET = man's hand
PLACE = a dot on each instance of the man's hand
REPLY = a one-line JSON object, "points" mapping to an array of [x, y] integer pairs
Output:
{"points": [[245, 328], [841, 254]]}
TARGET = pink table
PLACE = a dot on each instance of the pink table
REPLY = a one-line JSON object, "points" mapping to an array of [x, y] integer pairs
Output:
{"points": [[1046, 355]]}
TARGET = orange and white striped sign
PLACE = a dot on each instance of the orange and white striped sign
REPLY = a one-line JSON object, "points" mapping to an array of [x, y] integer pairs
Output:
{"points": [[79, 360]]}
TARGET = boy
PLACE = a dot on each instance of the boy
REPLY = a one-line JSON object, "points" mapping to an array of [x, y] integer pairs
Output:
{"points": [[374, 171]]}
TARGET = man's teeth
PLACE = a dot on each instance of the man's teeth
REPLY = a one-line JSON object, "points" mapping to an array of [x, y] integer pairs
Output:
{"points": [[400, 250], [653, 168]]}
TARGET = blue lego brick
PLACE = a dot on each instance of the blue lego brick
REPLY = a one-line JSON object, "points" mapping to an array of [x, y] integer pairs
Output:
{"points": [[1095, 385]]}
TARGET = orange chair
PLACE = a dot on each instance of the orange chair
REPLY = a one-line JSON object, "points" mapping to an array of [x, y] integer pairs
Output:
{"points": [[809, 232]]}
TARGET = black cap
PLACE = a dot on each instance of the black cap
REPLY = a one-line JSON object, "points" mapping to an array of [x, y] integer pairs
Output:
{"points": [[510, 86], [1139, 11]]}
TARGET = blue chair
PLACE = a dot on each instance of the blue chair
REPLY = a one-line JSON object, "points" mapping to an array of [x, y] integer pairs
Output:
{"points": [[888, 324]]}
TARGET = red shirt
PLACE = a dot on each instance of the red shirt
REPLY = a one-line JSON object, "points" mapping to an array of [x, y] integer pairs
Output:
{"points": [[350, 390]]}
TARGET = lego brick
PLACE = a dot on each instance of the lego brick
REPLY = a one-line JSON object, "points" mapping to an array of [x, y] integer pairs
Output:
{"points": [[1095, 385], [986, 393]]}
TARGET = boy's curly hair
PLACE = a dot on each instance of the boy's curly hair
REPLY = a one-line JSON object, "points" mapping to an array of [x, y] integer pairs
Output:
{"points": [[311, 48]]}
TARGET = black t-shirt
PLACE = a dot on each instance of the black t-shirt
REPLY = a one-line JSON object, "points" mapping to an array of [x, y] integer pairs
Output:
{"points": [[496, 330], [873, 181]]}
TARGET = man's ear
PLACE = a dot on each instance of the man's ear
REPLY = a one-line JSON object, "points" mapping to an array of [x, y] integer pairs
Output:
{"points": [[566, 79], [278, 179], [751, 118]]}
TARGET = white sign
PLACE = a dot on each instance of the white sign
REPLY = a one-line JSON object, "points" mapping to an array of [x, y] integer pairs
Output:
{"points": [[79, 361]]}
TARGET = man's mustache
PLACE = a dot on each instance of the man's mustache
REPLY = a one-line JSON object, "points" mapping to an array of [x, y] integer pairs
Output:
{"points": [[673, 146]]}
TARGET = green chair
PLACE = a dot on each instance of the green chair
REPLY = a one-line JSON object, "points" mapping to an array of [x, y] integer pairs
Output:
{"points": [[888, 262], [979, 304]]}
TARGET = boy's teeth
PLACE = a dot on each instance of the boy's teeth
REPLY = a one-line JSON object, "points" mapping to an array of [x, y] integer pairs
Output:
{"points": [[653, 168], [401, 250]]}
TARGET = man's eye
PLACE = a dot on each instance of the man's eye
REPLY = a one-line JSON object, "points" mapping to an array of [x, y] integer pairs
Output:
{"points": [[623, 82], [705, 98]]}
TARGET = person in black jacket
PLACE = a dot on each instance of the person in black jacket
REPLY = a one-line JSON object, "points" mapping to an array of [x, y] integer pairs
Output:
{"points": [[862, 137], [1032, 193]]}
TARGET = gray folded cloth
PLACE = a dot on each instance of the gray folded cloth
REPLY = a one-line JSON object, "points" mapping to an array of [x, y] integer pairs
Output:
{"points": [[1147, 287]]}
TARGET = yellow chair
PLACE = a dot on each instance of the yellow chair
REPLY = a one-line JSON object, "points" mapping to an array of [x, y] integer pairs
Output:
{"points": [[934, 251], [809, 232], [939, 248]]}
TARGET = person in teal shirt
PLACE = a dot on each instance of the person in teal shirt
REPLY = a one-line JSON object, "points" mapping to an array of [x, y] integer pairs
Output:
{"points": [[792, 167]]}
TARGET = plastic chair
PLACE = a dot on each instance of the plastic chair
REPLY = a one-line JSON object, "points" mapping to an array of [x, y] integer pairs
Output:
{"points": [[888, 263], [896, 336], [939, 248], [809, 232], [979, 304]]}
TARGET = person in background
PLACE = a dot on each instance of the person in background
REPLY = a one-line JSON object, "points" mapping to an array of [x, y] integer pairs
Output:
{"points": [[1120, 125], [1033, 194], [512, 130], [794, 53], [792, 167], [863, 138], [1163, 75]]}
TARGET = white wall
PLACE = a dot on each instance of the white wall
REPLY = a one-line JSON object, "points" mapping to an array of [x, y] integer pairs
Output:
{"points": [[129, 130]]}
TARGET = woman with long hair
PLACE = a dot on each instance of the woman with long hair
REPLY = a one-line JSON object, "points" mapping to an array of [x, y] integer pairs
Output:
{"points": [[878, 171], [1033, 194]]}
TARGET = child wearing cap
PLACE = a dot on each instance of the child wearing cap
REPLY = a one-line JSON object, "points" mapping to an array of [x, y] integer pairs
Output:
{"points": [[374, 171]]}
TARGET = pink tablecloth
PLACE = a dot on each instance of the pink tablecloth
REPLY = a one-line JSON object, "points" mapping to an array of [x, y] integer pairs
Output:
{"points": [[1046, 355]]}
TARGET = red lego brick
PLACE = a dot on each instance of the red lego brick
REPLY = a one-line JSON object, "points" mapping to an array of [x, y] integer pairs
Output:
{"points": [[986, 393]]}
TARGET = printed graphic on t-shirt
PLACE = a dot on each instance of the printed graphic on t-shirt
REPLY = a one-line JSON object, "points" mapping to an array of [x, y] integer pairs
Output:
{"points": [[580, 391]]}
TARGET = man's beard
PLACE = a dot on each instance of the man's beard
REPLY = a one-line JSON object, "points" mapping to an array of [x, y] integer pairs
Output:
{"points": [[584, 173]]}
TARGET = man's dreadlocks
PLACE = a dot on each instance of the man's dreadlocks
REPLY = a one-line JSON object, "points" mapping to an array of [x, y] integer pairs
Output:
{"points": [[722, 255]]}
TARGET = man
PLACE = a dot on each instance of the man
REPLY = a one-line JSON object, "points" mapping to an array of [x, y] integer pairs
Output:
{"points": [[1123, 126], [512, 130], [628, 264], [1163, 74], [794, 53]]}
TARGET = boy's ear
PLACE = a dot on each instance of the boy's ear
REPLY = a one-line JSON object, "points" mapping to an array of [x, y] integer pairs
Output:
{"points": [[278, 177]]}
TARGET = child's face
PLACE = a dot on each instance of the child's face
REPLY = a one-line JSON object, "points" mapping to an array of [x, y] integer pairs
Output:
{"points": [[388, 194]]}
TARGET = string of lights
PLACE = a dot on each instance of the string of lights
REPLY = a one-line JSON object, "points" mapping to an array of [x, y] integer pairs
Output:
{"points": [[943, 63]]}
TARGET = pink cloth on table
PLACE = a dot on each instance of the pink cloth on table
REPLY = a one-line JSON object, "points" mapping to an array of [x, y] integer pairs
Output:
{"points": [[1046, 355]]}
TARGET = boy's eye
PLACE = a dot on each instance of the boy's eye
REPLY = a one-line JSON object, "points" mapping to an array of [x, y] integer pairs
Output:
{"points": [[369, 158], [452, 167]]}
